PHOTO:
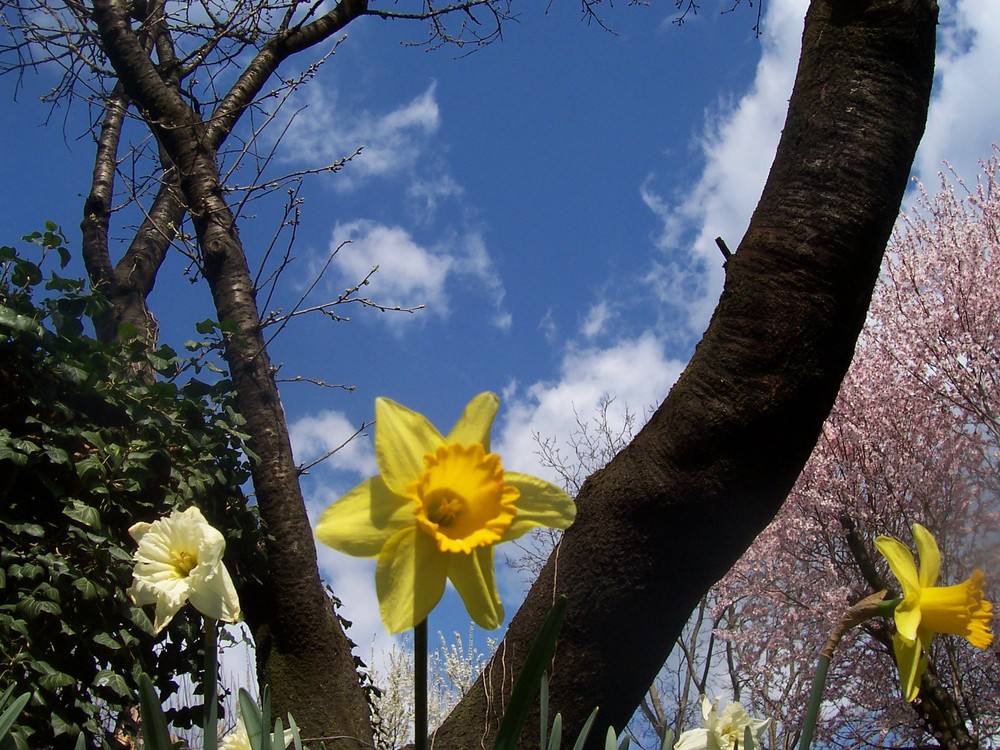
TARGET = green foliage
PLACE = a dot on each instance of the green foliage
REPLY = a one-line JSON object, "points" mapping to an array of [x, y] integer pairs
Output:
{"points": [[88, 448], [9, 716]]}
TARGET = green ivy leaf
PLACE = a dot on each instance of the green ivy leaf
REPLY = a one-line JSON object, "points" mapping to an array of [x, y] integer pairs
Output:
{"points": [[83, 514], [86, 588], [114, 682]]}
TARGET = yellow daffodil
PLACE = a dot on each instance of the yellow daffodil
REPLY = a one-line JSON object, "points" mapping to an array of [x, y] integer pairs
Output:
{"points": [[927, 608], [180, 558], [721, 731], [435, 511]]}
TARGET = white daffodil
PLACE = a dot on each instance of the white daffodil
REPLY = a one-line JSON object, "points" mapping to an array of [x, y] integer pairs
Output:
{"points": [[239, 738], [721, 731], [180, 558]]}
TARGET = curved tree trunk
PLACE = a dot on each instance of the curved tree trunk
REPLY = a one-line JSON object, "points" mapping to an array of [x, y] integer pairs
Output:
{"points": [[675, 510]]}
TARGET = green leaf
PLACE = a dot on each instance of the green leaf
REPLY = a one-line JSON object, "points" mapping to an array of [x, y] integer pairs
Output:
{"points": [[154, 723], [106, 640], [252, 718], [54, 680], [528, 681], [543, 704], [555, 741], [114, 681], [9, 716], [83, 514], [206, 326], [581, 739], [87, 590], [61, 726], [296, 738]]}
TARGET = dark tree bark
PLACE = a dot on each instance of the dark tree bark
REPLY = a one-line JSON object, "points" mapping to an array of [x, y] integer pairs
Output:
{"points": [[672, 513], [306, 656]]}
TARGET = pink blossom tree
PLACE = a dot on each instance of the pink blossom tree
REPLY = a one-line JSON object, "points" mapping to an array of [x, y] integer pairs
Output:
{"points": [[913, 437]]}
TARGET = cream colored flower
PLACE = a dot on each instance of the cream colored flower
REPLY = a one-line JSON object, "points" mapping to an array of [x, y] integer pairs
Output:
{"points": [[239, 738], [180, 559], [721, 731]]}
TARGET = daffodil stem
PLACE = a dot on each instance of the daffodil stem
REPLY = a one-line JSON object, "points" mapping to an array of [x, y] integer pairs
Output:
{"points": [[210, 727], [866, 609], [420, 686], [815, 700]]}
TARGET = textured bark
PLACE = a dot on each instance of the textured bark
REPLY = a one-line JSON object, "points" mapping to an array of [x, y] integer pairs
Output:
{"points": [[306, 656], [672, 513]]}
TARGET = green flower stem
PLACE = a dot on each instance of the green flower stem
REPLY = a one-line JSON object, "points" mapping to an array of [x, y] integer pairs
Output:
{"points": [[866, 609], [210, 727], [420, 686]]}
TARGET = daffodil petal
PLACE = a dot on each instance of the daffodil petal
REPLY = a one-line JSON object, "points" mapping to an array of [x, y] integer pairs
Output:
{"points": [[692, 739], [912, 663], [363, 520], [930, 556], [476, 420], [541, 504], [166, 608], [409, 579], [215, 597], [901, 563], [138, 530], [474, 580], [402, 438], [908, 617], [707, 707]]}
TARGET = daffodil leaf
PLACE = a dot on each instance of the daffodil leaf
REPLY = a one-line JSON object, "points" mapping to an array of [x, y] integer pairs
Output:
{"points": [[251, 716], [581, 740], [154, 723], [555, 741], [530, 678], [8, 717], [543, 704]]}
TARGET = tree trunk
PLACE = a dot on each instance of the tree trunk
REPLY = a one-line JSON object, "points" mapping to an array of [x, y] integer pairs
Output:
{"points": [[305, 654], [673, 512]]}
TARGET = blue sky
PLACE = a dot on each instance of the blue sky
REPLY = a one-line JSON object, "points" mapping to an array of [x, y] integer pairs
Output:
{"points": [[551, 200]]}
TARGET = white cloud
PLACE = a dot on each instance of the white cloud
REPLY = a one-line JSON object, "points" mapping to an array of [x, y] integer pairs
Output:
{"points": [[427, 192], [410, 274], [596, 321], [738, 146], [392, 142], [962, 123], [635, 372], [317, 434], [474, 262]]}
